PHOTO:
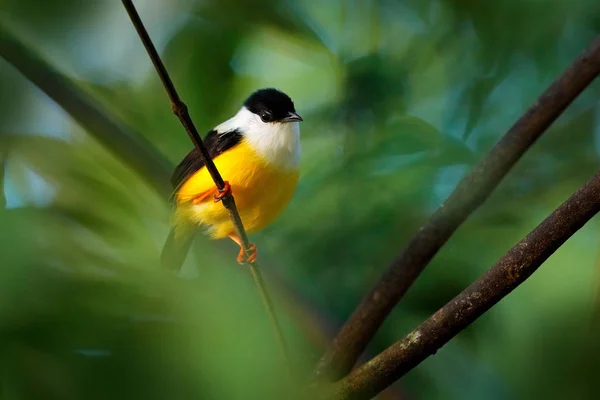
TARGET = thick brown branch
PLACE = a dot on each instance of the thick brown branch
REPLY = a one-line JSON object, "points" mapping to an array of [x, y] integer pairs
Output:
{"points": [[470, 193], [131, 147], [508, 273]]}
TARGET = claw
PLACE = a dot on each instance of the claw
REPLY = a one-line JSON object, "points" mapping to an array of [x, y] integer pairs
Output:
{"points": [[221, 193], [242, 258], [251, 258]]}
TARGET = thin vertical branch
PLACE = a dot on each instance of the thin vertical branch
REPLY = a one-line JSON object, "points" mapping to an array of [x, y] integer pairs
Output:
{"points": [[181, 110], [469, 194], [508, 273]]}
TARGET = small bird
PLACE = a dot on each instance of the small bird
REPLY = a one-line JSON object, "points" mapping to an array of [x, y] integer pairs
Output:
{"points": [[258, 154]]}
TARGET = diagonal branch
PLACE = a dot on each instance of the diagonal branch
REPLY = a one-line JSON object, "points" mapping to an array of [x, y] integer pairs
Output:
{"points": [[181, 110], [508, 273], [129, 146], [470, 193]]}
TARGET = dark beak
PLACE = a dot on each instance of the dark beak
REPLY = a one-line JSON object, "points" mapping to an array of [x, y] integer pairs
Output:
{"points": [[292, 117]]}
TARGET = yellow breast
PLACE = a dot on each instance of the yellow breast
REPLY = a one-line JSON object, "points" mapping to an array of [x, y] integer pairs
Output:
{"points": [[261, 192]]}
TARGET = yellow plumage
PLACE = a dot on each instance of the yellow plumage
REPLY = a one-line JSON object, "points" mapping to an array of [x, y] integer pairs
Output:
{"points": [[257, 152], [261, 192]]}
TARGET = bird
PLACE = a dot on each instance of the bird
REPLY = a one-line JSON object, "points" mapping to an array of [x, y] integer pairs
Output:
{"points": [[257, 152]]}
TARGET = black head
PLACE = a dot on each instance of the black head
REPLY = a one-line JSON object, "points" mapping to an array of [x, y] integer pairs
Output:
{"points": [[272, 105]]}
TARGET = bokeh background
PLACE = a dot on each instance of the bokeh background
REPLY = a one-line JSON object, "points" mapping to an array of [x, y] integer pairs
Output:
{"points": [[399, 99]]}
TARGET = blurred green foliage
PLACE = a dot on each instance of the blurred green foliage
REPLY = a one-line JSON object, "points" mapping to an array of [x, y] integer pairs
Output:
{"points": [[399, 99]]}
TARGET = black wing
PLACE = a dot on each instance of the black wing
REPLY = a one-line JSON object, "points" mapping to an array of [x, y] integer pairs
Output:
{"points": [[216, 143]]}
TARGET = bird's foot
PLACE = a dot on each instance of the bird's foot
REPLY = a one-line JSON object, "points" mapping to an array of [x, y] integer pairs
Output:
{"points": [[221, 193], [242, 258]]}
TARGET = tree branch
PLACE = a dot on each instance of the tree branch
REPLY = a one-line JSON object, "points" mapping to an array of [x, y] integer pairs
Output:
{"points": [[469, 194], [131, 147], [508, 273], [181, 110]]}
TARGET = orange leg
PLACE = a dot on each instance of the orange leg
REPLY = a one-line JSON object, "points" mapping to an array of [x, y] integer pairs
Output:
{"points": [[241, 258], [218, 194]]}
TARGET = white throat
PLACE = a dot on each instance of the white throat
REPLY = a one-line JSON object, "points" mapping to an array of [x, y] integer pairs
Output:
{"points": [[278, 143]]}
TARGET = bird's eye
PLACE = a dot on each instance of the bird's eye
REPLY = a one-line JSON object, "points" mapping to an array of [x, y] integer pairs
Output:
{"points": [[266, 116]]}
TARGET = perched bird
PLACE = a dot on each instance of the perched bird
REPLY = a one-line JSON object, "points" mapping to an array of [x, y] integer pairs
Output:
{"points": [[258, 154]]}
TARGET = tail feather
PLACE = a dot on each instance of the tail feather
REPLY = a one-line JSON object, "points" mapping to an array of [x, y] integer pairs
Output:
{"points": [[176, 248]]}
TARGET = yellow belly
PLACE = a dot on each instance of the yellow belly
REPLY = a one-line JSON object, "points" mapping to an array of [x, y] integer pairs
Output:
{"points": [[261, 192]]}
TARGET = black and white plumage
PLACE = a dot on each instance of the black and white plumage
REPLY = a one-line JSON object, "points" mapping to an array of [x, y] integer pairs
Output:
{"points": [[266, 124]]}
